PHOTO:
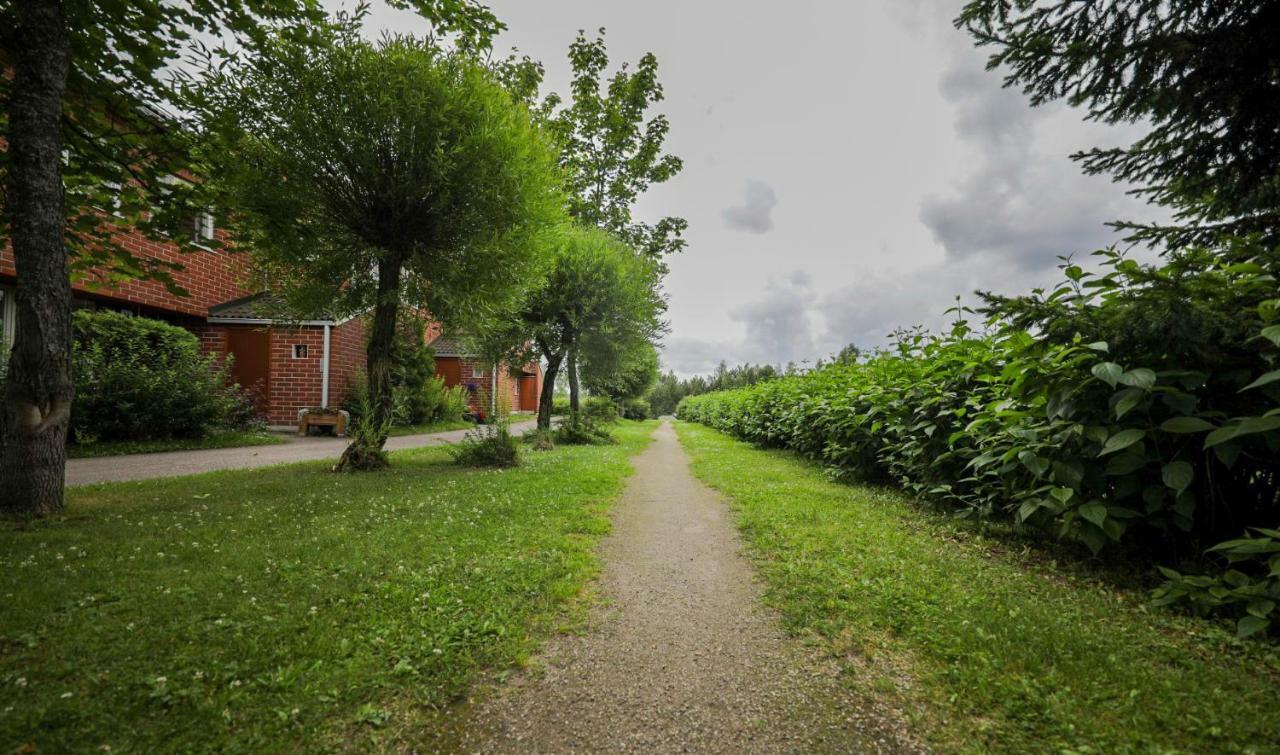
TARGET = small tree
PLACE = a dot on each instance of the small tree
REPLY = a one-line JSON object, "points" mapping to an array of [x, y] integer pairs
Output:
{"points": [[597, 288], [370, 175], [610, 152]]}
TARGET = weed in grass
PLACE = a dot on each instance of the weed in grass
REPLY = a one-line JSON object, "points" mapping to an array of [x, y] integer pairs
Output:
{"points": [[488, 446]]}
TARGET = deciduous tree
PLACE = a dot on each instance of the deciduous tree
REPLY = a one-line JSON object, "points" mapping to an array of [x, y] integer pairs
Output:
{"points": [[371, 175]]}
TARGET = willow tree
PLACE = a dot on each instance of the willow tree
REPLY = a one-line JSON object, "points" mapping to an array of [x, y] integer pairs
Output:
{"points": [[597, 290], [378, 175]]}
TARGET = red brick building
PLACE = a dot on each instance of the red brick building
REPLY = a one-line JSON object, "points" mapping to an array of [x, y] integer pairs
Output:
{"points": [[515, 388], [288, 365]]}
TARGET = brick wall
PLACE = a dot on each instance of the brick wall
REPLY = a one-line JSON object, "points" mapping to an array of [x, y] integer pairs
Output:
{"points": [[347, 358], [209, 276]]}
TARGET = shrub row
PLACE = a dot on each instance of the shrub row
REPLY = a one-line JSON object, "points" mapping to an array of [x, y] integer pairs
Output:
{"points": [[1135, 409], [142, 379]]}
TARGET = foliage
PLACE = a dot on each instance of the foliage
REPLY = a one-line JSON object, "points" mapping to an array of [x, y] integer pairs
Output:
{"points": [[610, 153], [452, 227], [992, 648], [669, 389], [490, 445], [1194, 72], [1077, 412], [366, 434], [540, 440], [140, 379], [583, 429], [600, 409], [288, 599], [560, 407], [419, 396], [598, 291], [620, 373], [635, 409]]}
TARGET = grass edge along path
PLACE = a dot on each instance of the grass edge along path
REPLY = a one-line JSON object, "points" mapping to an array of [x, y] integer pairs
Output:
{"points": [[230, 439], [989, 651], [289, 608]]}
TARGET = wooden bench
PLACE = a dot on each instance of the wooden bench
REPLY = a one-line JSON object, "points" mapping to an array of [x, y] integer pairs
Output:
{"points": [[317, 417]]}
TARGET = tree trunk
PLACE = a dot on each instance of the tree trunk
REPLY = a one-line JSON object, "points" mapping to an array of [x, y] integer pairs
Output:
{"points": [[547, 397], [365, 451], [573, 382], [38, 392]]}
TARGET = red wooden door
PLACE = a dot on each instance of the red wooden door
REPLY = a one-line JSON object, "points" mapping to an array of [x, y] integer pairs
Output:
{"points": [[251, 348], [450, 369]]}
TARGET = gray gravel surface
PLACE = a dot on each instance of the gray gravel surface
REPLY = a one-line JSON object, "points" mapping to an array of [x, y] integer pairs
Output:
{"points": [[177, 463], [680, 655]]}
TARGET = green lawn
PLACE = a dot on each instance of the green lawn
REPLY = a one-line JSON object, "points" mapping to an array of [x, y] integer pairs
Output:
{"points": [[290, 608], [988, 647], [432, 427], [230, 439]]}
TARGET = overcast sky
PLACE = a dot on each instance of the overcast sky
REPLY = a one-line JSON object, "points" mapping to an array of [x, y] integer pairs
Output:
{"points": [[849, 166]]}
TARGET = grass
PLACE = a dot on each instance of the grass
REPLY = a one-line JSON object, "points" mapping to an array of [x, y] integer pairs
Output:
{"points": [[231, 439], [432, 427], [290, 608], [991, 649]]}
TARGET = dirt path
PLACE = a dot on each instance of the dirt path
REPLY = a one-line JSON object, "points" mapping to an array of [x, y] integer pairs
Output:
{"points": [[177, 463], [680, 655]]}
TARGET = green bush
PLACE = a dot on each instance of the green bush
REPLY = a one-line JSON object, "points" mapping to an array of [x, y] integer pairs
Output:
{"points": [[583, 430], [600, 409], [540, 440], [635, 408], [141, 379], [559, 407], [1135, 410], [490, 445], [419, 396]]}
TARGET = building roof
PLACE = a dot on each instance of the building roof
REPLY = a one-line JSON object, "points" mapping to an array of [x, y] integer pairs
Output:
{"points": [[448, 346], [263, 307]]}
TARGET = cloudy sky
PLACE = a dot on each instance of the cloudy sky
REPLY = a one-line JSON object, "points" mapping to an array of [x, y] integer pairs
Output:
{"points": [[849, 166]]}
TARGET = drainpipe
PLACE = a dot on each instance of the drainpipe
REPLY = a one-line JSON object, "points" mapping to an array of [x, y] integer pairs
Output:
{"points": [[324, 371], [493, 393]]}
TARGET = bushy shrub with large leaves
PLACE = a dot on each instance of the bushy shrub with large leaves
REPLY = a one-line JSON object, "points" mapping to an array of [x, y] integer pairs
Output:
{"points": [[142, 379], [1136, 408]]}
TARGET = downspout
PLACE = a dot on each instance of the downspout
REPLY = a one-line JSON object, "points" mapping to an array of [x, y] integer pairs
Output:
{"points": [[324, 371], [493, 393]]}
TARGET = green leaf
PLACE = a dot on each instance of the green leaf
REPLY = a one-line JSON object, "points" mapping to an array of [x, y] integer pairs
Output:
{"points": [[1266, 379], [1178, 475], [1093, 512], [1251, 625], [1221, 435], [1139, 378], [1129, 398], [1098, 346], [1254, 425], [1186, 425], [1027, 509], [1122, 440], [1261, 607], [1272, 334], [1108, 372]]}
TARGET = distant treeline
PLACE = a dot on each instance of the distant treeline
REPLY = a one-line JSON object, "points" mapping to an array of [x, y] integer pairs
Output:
{"points": [[667, 392]]}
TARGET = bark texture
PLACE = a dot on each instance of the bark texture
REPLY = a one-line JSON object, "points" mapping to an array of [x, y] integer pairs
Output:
{"points": [[547, 397], [365, 451], [37, 396]]}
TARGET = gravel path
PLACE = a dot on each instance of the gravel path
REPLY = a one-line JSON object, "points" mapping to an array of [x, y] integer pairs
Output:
{"points": [[176, 463], [681, 656]]}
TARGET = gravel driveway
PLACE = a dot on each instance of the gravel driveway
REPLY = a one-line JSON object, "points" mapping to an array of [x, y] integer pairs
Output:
{"points": [[176, 463], [681, 656]]}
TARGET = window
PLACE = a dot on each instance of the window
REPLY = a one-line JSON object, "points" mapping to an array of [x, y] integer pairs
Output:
{"points": [[479, 371], [299, 351], [7, 316], [202, 226]]}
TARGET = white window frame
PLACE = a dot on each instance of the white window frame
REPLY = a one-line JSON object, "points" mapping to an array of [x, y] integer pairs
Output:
{"points": [[479, 370], [305, 349], [8, 316], [203, 226]]}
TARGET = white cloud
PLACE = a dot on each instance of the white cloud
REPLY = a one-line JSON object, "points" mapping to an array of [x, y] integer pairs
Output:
{"points": [[755, 214]]}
